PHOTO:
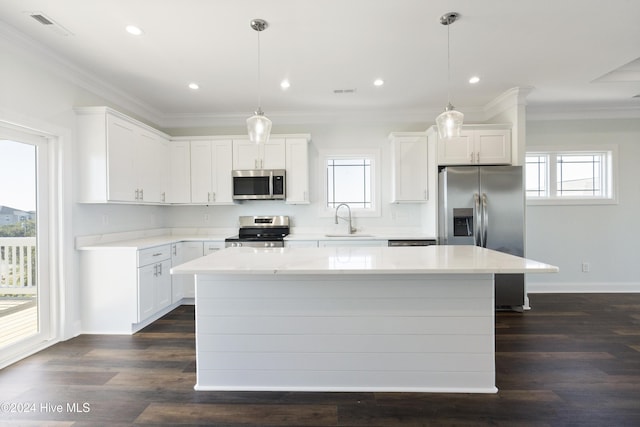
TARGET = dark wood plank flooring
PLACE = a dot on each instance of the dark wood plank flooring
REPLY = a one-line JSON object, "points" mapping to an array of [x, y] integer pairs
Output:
{"points": [[573, 360]]}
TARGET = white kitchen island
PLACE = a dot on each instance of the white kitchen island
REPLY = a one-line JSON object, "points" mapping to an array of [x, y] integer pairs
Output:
{"points": [[349, 318]]}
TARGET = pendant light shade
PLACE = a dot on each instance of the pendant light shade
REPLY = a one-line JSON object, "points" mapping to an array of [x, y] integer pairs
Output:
{"points": [[450, 121], [258, 125]]}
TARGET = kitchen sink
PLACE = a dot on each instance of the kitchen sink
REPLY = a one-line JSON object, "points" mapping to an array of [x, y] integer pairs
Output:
{"points": [[349, 235]]}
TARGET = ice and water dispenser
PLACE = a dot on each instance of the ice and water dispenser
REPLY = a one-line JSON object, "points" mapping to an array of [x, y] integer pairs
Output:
{"points": [[463, 222]]}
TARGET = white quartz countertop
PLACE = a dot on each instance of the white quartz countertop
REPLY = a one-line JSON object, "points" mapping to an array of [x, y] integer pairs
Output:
{"points": [[362, 260], [152, 241], [377, 235], [149, 239]]}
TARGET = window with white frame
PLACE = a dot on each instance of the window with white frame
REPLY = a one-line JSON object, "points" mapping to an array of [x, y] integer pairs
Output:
{"points": [[351, 178], [571, 176]]}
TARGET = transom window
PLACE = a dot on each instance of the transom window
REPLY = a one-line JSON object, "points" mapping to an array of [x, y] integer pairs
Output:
{"points": [[571, 176]]}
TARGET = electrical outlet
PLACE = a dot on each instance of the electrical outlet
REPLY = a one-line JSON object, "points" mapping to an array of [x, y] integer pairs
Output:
{"points": [[585, 267]]}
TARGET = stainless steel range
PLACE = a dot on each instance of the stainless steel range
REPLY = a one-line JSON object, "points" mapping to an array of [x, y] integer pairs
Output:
{"points": [[260, 232]]}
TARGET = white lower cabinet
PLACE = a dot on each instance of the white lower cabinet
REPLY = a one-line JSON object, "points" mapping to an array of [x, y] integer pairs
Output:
{"points": [[183, 285], [154, 281], [124, 289]]}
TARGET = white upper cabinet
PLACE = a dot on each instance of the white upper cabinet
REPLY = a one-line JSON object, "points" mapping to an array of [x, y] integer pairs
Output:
{"points": [[152, 167], [477, 145], [248, 155], [121, 160], [179, 187], [410, 171], [297, 171], [125, 161], [118, 157], [211, 163]]}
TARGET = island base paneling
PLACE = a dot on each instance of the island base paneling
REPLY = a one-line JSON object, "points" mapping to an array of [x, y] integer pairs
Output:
{"points": [[347, 332]]}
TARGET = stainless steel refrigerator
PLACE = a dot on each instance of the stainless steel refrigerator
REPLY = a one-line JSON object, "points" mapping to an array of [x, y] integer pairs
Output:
{"points": [[484, 206]]}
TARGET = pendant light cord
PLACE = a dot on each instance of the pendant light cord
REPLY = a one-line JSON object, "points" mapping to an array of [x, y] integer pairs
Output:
{"points": [[259, 80], [448, 66]]}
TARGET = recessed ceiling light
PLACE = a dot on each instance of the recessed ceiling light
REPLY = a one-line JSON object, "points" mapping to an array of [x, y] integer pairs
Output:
{"points": [[473, 80], [133, 30], [378, 82], [285, 84], [194, 86]]}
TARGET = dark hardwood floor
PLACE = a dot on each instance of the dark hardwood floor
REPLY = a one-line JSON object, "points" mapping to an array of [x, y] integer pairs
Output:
{"points": [[573, 360]]}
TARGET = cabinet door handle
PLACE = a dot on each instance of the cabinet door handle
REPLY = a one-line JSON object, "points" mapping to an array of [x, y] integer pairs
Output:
{"points": [[155, 270], [213, 196], [142, 194], [471, 157], [175, 250], [478, 157], [159, 269], [164, 197]]}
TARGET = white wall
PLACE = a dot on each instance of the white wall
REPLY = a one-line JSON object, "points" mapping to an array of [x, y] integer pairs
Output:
{"points": [[605, 236]]}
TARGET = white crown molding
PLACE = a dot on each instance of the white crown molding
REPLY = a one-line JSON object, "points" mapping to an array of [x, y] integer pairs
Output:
{"points": [[426, 116], [70, 72], [581, 112], [511, 98]]}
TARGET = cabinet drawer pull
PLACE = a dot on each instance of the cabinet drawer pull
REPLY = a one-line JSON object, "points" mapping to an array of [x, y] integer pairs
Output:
{"points": [[157, 254]]}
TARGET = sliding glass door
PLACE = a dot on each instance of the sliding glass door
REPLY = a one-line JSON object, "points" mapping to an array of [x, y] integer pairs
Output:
{"points": [[24, 246]]}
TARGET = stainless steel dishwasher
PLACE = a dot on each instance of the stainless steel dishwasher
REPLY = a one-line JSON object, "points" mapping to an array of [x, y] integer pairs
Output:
{"points": [[412, 242]]}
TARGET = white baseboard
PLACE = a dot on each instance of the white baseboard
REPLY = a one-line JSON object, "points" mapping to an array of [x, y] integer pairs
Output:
{"points": [[582, 287]]}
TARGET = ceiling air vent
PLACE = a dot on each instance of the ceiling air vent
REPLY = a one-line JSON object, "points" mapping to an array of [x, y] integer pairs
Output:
{"points": [[49, 23], [42, 19]]}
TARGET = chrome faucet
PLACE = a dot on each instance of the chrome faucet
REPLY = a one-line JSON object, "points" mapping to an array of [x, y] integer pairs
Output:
{"points": [[351, 229]]}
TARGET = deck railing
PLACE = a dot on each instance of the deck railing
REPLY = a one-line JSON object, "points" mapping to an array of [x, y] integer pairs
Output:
{"points": [[17, 265]]}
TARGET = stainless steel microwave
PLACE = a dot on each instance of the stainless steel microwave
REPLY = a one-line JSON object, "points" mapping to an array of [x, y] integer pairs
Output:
{"points": [[259, 184]]}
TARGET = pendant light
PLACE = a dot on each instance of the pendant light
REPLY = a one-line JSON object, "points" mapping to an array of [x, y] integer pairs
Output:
{"points": [[258, 125], [450, 121]]}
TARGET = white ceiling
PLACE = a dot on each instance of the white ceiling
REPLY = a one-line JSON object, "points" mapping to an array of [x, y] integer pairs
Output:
{"points": [[568, 51]]}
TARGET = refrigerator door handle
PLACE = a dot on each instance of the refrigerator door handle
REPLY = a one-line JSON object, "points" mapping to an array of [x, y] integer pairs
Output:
{"points": [[476, 220], [485, 219]]}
